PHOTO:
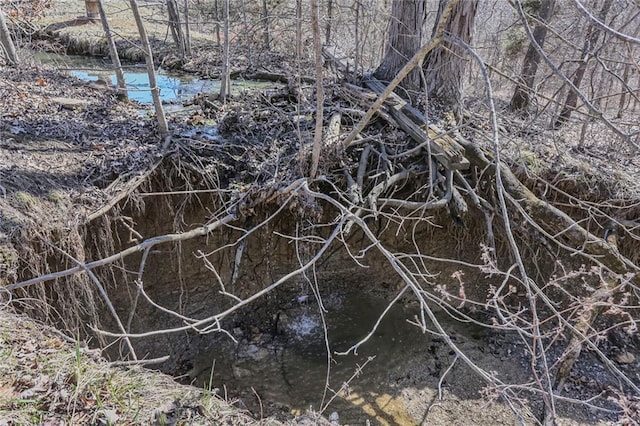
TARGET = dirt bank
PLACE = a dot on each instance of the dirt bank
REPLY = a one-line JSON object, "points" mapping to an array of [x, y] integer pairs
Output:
{"points": [[223, 233]]}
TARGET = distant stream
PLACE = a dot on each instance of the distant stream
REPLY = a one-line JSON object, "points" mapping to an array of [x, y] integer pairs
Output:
{"points": [[174, 87]]}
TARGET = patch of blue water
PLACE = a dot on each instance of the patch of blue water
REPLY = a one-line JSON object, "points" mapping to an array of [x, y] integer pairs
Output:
{"points": [[172, 88]]}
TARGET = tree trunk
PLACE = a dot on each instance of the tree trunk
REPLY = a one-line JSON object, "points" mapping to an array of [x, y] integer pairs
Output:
{"points": [[522, 95], [593, 34], [623, 95], [327, 27], [216, 17], [317, 137], [8, 48], [265, 23], [247, 39], [91, 6], [356, 30], [113, 52], [176, 27], [298, 29], [155, 90], [405, 35], [225, 85], [445, 65], [187, 29]]}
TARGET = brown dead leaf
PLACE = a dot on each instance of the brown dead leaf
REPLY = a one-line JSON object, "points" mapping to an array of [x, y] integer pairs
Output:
{"points": [[626, 358], [7, 392]]}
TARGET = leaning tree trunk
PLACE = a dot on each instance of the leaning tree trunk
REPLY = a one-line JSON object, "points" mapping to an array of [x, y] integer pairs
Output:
{"points": [[405, 36], [593, 34], [113, 52], [522, 95], [8, 47], [444, 66], [155, 90]]}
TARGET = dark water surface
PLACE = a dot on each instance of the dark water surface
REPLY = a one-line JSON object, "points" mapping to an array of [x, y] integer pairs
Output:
{"points": [[291, 371]]}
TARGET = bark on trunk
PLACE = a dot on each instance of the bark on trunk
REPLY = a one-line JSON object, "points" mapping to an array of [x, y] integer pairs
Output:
{"points": [[155, 90], [225, 78], [216, 17], [521, 98], [8, 47], [187, 29], [176, 26], [404, 40], [265, 23], [317, 137], [113, 52], [327, 27], [445, 66], [299, 29]]}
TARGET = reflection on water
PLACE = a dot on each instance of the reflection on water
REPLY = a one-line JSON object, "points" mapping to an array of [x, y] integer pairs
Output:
{"points": [[174, 88], [291, 370]]}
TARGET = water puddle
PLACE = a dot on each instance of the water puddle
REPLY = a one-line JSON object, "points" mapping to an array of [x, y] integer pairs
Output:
{"points": [[174, 88], [290, 369]]}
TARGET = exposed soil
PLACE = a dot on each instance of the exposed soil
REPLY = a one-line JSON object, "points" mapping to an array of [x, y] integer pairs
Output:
{"points": [[79, 169], [61, 163]]}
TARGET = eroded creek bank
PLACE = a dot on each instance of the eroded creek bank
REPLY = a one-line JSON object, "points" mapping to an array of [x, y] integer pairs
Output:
{"points": [[273, 355], [275, 227]]}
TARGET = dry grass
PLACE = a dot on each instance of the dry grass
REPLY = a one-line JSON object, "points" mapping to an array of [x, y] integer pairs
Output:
{"points": [[120, 19], [45, 379]]}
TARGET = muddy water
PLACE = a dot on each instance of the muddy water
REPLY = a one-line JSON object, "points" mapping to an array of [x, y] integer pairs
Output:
{"points": [[174, 87], [289, 369]]}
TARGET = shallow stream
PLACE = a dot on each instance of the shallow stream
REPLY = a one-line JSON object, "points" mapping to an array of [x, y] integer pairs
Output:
{"points": [[174, 87]]}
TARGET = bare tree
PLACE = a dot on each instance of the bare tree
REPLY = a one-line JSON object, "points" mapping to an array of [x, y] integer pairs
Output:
{"points": [[113, 52], [317, 137], [328, 23], [445, 65], [298, 29], [176, 27], [7, 45], [187, 29], [404, 40], [266, 44], [522, 95], [225, 80], [216, 17], [590, 43], [155, 90]]}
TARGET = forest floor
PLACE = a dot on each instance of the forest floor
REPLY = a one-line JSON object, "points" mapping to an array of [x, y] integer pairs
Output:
{"points": [[67, 149]]}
